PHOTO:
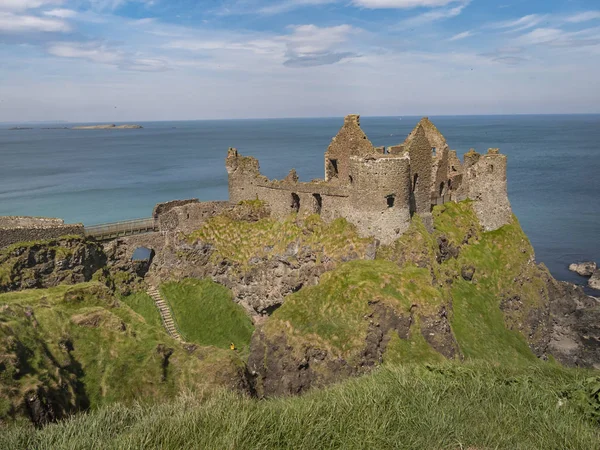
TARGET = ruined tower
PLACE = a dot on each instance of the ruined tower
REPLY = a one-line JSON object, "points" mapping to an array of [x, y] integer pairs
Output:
{"points": [[378, 191]]}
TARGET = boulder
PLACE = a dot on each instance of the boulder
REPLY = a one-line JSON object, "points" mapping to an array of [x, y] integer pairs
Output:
{"points": [[585, 269], [594, 281]]}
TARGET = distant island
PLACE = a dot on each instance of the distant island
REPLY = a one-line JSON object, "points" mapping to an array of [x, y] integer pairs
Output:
{"points": [[107, 127]]}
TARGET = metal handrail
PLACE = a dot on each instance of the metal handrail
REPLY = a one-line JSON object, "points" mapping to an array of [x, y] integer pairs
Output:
{"points": [[124, 227]]}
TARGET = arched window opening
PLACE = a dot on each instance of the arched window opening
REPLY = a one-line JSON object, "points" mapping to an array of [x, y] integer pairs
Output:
{"points": [[318, 203], [441, 188], [415, 179], [433, 151], [295, 202], [449, 184], [491, 168], [390, 199], [351, 179]]}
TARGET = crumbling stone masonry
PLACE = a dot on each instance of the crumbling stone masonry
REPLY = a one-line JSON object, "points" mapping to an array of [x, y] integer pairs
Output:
{"points": [[23, 229], [379, 189]]}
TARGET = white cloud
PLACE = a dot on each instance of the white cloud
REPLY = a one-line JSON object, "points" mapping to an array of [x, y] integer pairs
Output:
{"points": [[436, 15], [520, 24], [289, 5], [584, 17], [61, 13], [556, 37], [22, 5], [305, 45], [463, 35], [310, 39], [114, 4], [14, 23], [101, 53], [401, 4]]}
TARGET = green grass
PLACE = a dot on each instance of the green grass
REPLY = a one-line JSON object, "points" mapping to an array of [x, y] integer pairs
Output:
{"points": [[240, 241], [441, 406], [113, 354], [333, 312], [207, 315], [143, 304]]}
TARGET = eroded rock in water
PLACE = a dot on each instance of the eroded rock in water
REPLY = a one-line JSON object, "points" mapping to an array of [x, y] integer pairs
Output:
{"points": [[594, 281], [585, 269]]}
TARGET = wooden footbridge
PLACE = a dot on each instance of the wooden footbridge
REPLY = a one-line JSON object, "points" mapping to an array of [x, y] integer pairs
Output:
{"points": [[107, 231]]}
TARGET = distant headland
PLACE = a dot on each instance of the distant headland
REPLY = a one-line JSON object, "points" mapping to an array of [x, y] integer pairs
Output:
{"points": [[107, 127], [111, 126]]}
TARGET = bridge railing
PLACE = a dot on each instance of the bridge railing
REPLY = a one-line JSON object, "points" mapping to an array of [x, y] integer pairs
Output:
{"points": [[125, 228]]}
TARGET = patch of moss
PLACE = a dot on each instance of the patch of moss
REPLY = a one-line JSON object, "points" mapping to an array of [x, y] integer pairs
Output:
{"points": [[416, 246], [334, 313], [240, 241], [415, 349]]}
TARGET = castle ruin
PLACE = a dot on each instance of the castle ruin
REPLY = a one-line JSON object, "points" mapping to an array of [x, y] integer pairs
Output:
{"points": [[380, 189]]}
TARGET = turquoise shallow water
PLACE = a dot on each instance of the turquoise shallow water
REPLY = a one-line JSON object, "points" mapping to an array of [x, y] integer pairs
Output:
{"points": [[97, 176]]}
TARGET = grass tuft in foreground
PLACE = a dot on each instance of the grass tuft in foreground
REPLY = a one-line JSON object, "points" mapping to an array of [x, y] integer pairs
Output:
{"points": [[440, 406]]}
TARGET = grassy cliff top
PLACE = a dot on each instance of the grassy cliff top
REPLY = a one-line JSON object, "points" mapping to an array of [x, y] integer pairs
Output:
{"points": [[240, 241], [85, 348], [439, 406], [417, 275]]}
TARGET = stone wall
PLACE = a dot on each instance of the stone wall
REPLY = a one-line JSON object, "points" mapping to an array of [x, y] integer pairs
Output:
{"points": [[26, 229], [379, 197], [350, 141], [419, 151], [190, 216], [486, 180], [162, 208]]}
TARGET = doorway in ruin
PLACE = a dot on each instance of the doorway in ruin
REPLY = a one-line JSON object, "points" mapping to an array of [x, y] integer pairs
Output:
{"points": [[413, 198], [318, 203], [295, 202], [332, 168]]}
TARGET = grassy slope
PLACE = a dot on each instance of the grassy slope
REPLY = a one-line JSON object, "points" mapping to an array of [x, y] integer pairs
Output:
{"points": [[143, 304], [444, 406], [206, 314], [332, 313], [240, 241], [114, 352]]}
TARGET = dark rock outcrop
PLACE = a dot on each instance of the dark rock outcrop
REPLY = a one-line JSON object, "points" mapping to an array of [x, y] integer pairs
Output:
{"points": [[280, 365], [575, 319], [49, 263]]}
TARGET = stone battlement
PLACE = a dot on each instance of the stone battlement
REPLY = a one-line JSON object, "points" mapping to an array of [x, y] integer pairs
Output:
{"points": [[377, 189]]}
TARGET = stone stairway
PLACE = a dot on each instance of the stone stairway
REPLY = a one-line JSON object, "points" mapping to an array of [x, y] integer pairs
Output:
{"points": [[165, 313]]}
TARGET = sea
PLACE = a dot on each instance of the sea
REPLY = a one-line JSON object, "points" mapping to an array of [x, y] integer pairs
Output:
{"points": [[100, 176]]}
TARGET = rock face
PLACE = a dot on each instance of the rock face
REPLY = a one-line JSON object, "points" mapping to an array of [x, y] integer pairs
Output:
{"points": [[585, 269], [49, 263], [575, 319], [594, 281]]}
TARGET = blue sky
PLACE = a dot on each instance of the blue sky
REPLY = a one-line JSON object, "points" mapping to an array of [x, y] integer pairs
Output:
{"points": [[123, 60]]}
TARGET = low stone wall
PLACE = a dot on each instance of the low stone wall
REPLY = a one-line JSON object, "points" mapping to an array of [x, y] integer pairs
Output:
{"points": [[24, 221], [26, 233], [189, 217], [163, 208]]}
